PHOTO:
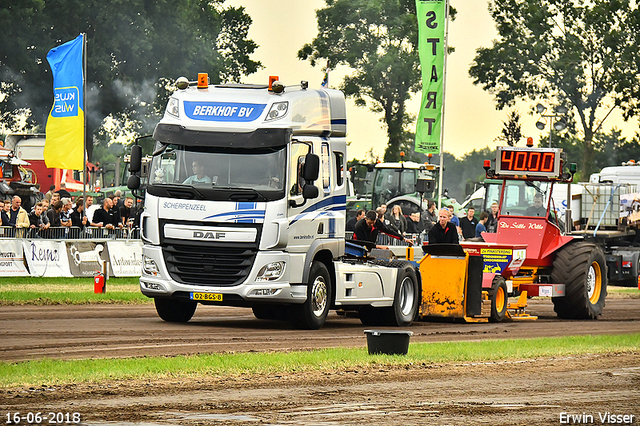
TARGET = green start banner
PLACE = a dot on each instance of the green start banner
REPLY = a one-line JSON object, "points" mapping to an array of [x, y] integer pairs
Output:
{"points": [[431, 16]]}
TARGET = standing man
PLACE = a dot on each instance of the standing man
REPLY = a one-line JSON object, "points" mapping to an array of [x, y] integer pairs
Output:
{"points": [[124, 212], [468, 224], [89, 208], [414, 224], [4, 219], [78, 219], [65, 213], [443, 232], [18, 217], [351, 223], [429, 216], [480, 227], [492, 221], [102, 217], [63, 191], [367, 229]]}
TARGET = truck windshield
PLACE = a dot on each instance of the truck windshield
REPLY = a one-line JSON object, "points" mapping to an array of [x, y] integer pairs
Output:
{"points": [[215, 173]]}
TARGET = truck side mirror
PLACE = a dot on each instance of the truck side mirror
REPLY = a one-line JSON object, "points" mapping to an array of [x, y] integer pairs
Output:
{"points": [[311, 169], [135, 163], [310, 191], [133, 182]]}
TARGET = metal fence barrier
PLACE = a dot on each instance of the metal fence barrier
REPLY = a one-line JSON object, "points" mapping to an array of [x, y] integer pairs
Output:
{"points": [[70, 233]]}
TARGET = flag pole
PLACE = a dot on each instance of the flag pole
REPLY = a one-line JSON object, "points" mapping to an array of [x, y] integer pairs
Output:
{"points": [[84, 127], [444, 96]]}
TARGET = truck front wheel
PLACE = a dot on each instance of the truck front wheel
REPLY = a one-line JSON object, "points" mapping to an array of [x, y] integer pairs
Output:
{"points": [[172, 310], [312, 314], [583, 270]]}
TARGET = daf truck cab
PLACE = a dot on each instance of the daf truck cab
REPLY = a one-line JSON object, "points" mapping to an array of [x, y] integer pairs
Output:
{"points": [[245, 205]]}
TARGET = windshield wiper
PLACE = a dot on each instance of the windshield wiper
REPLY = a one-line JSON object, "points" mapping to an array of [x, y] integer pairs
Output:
{"points": [[160, 150], [181, 191], [242, 193]]}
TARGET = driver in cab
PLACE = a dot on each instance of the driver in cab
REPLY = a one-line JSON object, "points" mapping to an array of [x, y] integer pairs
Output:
{"points": [[198, 174], [536, 209]]}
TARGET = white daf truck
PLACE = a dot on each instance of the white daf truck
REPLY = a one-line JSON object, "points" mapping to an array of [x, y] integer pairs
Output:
{"points": [[245, 206]]}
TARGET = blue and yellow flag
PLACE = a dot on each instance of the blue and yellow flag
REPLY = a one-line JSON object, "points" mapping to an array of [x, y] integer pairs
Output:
{"points": [[64, 146]]}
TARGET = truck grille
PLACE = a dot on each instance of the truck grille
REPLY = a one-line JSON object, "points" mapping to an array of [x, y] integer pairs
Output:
{"points": [[208, 266]]}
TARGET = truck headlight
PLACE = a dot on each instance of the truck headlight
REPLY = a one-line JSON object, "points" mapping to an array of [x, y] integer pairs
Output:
{"points": [[173, 107], [277, 110], [271, 271], [149, 266]]}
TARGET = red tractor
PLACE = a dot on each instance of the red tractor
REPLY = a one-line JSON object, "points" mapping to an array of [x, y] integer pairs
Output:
{"points": [[569, 266]]}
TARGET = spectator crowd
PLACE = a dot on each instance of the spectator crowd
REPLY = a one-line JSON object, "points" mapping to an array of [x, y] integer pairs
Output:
{"points": [[427, 225], [57, 216]]}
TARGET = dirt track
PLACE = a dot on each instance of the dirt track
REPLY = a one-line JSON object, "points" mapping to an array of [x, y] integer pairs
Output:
{"points": [[99, 331], [527, 392]]}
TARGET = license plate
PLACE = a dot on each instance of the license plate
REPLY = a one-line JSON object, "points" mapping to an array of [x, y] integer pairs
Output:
{"points": [[214, 297]]}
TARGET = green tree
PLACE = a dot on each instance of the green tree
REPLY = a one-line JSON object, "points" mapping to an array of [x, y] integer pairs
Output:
{"points": [[134, 51], [581, 53], [511, 129], [378, 40]]}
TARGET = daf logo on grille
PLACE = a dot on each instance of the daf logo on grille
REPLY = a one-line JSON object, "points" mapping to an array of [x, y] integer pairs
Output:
{"points": [[208, 235]]}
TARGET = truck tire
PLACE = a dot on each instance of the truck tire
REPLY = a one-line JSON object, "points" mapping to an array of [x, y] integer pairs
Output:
{"points": [[407, 297], [582, 268], [171, 310], [312, 314], [499, 299]]}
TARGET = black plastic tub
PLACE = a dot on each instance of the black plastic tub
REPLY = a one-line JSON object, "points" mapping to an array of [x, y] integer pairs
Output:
{"points": [[388, 342]]}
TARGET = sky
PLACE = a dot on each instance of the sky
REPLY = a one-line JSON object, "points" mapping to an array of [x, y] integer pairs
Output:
{"points": [[471, 121]]}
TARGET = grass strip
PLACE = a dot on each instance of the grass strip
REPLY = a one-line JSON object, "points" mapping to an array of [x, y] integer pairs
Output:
{"points": [[68, 291], [50, 371]]}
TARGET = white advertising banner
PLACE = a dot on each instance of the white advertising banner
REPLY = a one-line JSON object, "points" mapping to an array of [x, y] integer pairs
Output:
{"points": [[12, 260], [125, 258], [47, 258]]}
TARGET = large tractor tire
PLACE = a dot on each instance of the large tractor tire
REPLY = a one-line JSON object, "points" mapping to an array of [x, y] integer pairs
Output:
{"points": [[582, 268], [172, 310], [499, 299], [312, 314]]}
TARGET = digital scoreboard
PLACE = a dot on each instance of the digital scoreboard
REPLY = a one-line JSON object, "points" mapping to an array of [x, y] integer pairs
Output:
{"points": [[512, 161]]}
